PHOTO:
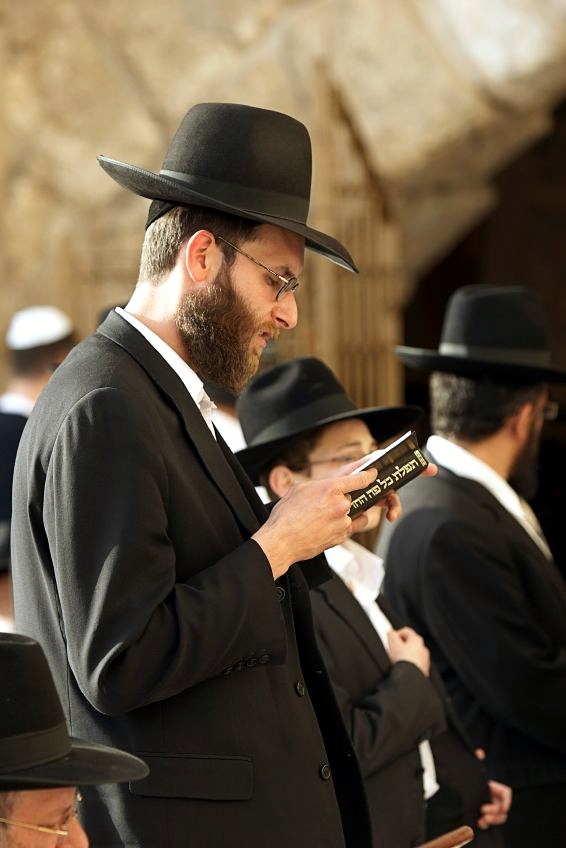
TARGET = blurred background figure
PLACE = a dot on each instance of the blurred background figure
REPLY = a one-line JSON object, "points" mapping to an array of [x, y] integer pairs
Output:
{"points": [[469, 566], [37, 340]]}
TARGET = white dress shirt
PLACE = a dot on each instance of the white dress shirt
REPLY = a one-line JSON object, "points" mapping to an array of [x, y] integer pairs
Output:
{"points": [[190, 379], [461, 462], [362, 572]]}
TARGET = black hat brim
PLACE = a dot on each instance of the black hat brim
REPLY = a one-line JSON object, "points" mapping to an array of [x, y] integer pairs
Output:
{"points": [[168, 190], [86, 764], [469, 366], [382, 422]]}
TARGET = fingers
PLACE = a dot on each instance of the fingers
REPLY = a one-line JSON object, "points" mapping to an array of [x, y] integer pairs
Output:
{"points": [[356, 481], [501, 794]]}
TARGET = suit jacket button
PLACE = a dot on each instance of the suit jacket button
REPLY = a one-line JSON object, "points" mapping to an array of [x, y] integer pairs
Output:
{"points": [[280, 592], [263, 659], [239, 666], [228, 670], [300, 688], [325, 772], [251, 662]]}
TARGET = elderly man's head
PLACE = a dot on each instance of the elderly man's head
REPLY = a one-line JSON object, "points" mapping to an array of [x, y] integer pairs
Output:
{"points": [[40, 764]]}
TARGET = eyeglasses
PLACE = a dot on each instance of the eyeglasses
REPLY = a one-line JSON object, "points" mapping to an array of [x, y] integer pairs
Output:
{"points": [[289, 283], [53, 831], [550, 410]]}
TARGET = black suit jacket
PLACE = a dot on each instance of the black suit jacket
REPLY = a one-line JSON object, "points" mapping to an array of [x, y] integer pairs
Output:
{"points": [[134, 567], [492, 609], [389, 709], [11, 428]]}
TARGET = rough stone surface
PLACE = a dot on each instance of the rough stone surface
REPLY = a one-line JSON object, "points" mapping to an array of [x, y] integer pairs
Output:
{"points": [[435, 96]]}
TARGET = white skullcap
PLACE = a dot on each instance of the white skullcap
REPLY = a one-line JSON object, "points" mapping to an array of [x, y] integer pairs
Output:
{"points": [[37, 326]]}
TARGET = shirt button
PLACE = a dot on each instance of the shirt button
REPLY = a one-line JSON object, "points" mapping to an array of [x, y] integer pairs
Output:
{"points": [[239, 666], [280, 592], [300, 688], [251, 662], [228, 670], [325, 772]]}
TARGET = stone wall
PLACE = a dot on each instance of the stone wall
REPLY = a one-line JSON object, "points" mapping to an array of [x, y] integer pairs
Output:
{"points": [[435, 95]]}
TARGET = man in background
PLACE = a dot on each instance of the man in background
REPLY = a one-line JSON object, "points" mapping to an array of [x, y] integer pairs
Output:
{"points": [[468, 567], [37, 340], [40, 764]]}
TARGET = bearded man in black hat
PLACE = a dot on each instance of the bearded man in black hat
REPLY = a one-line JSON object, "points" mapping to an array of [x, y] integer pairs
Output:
{"points": [[468, 565], [40, 764], [161, 589]]}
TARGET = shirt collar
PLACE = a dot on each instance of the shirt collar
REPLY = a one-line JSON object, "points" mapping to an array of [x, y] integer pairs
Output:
{"points": [[16, 404], [464, 464], [190, 379], [354, 563]]}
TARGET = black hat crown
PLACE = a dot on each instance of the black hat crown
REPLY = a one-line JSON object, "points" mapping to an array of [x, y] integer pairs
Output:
{"points": [[290, 399], [498, 331], [242, 160], [36, 750]]}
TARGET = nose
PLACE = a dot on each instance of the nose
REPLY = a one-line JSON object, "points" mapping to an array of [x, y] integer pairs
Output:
{"points": [[285, 311], [76, 837]]}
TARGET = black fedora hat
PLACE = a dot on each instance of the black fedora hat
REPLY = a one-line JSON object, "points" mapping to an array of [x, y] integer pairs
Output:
{"points": [[288, 400], [36, 751], [500, 332], [242, 160]]}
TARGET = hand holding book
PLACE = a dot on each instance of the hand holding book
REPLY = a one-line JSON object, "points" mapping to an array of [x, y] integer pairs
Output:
{"points": [[396, 464]]}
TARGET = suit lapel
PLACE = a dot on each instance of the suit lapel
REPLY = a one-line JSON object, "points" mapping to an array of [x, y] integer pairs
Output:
{"points": [[344, 604], [514, 528], [210, 451]]}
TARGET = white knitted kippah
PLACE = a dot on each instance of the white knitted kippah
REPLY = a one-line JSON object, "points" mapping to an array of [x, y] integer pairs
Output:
{"points": [[36, 326]]}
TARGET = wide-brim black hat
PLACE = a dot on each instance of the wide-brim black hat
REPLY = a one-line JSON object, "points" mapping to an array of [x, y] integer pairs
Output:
{"points": [[242, 160], [500, 332], [36, 750], [293, 398]]}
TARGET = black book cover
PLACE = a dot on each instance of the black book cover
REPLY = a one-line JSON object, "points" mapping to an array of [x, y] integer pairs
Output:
{"points": [[396, 464]]}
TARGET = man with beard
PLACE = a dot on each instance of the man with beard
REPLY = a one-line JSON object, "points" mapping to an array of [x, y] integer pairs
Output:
{"points": [[165, 596], [468, 566]]}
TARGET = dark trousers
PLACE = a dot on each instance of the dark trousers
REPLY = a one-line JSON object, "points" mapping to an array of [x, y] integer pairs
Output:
{"points": [[537, 817]]}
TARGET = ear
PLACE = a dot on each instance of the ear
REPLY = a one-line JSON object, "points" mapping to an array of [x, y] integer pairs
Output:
{"points": [[281, 479], [202, 257]]}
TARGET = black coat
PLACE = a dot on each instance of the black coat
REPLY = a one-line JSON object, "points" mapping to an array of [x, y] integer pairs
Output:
{"points": [[134, 567], [492, 609], [389, 709], [11, 428]]}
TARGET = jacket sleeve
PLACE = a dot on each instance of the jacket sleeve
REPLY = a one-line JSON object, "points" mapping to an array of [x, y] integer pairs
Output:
{"points": [[478, 605], [392, 717], [135, 634]]}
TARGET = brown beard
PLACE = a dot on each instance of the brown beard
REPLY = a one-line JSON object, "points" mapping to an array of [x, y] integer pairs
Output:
{"points": [[216, 327]]}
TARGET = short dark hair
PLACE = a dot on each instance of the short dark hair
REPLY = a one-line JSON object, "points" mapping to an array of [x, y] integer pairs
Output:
{"points": [[474, 409], [35, 361], [165, 236], [295, 456]]}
